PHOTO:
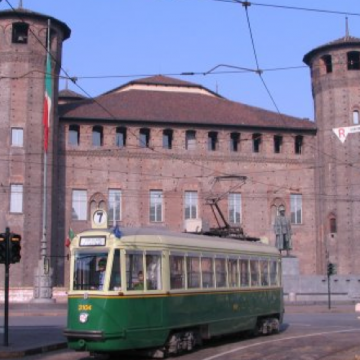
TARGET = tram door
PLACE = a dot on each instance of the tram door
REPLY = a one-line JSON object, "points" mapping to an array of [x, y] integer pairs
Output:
{"points": [[144, 279]]}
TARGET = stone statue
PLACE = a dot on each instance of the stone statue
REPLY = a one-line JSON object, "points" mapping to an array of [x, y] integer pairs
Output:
{"points": [[282, 228]]}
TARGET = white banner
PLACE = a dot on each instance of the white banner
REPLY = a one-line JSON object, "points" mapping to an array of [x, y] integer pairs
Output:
{"points": [[343, 132]]}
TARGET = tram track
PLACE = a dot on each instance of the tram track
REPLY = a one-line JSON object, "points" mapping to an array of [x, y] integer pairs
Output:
{"points": [[311, 346]]}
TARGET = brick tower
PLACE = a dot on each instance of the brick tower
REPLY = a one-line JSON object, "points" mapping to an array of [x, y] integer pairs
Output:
{"points": [[23, 35], [335, 74]]}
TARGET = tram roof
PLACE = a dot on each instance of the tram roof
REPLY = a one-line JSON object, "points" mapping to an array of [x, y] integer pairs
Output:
{"points": [[184, 241]]}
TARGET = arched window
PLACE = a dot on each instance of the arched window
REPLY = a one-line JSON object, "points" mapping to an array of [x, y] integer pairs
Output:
{"points": [[356, 117], [74, 135], [120, 139], [327, 63], [332, 225], [97, 136], [20, 33], [97, 201], [353, 60]]}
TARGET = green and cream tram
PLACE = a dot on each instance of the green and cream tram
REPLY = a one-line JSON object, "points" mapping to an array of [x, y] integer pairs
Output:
{"points": [[166, 291]]}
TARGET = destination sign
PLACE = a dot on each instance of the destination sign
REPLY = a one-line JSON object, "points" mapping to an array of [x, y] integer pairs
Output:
{"points": [[92, 241]]}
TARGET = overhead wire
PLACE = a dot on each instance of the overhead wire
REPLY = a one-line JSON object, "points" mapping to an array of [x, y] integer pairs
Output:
{"points": [[258, 70], [287, 7]]}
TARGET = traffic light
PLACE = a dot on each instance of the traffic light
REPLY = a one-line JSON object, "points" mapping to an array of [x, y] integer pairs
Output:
{"points": [[331, 269], [2, 248], [14, 248]]}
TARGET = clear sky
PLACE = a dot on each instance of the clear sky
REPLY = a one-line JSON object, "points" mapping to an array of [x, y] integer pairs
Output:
{"points": [[116, 41]]}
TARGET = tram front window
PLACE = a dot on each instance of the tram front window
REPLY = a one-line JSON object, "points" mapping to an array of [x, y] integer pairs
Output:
{"points": [[90, 270], [115, 279]]}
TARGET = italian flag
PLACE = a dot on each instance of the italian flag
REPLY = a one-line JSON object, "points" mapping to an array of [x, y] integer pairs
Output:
{"points": [[69, 238], [48, 96]]}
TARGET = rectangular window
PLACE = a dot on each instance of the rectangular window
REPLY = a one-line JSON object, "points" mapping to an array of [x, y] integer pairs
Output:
{"points": [[355, 117], [167, 139], [193, 272], [220, 272], [256, 139], [134, 270], [20, 33], [191, 204], [79, 205], [190, 140], [207, 271], [144, 138], [244, 273], [296, 208], [273, 273], [114, 212], [298, 144], [17, 137], [16, 198], [177, 272], [115, 279], [234, 208], [278, 140], [97, 136], [120, 138], [212, 141], [156, 205], [233, 273], [254, 272], [153, 271], [264, 271], [234, 142], [90, 270], [74, 135]]}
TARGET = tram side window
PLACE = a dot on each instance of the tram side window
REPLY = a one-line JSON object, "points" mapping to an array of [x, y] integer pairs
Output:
{"points": [[254, 272], [273, 273], [233, 273], [177, 272], [220, 266], [153, 271], [264, 271], [207, 271], [89, 271], [193, 272], [244, 273], [134, 270], [115, 279]]}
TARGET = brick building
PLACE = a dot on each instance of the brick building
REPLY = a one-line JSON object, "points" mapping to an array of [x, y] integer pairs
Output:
{"points": [[153, 151]]}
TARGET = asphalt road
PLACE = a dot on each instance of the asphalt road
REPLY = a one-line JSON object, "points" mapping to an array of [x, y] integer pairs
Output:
{"points": [[325, 336]]}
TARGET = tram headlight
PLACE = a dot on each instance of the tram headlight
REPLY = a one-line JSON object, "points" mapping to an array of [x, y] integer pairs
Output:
{"points": [[83, 317]]}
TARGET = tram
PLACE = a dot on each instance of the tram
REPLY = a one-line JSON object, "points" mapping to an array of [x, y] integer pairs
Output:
{"points": [[166, 292]]}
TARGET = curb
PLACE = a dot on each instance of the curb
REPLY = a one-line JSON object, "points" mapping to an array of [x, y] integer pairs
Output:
{"points": [[37, 314], [12, 354]]}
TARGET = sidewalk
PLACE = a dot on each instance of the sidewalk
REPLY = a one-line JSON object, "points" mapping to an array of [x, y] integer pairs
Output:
{"points": [[30, 340], [25, 339]]}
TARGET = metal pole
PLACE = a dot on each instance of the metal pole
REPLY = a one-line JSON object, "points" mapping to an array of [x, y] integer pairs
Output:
{"points": [[7, 276], [43, 274], [43, 248], [329, 292]]}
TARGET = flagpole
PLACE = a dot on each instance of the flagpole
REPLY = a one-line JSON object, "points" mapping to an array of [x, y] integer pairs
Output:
{"points": [[43, 274]]}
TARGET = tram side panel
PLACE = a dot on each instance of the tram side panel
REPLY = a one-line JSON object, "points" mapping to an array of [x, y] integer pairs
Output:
{"points": [[220, 313]]}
